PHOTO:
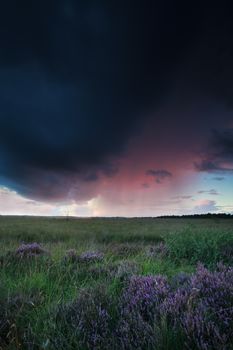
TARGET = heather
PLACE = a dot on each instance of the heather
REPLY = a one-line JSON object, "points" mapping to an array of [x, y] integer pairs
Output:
{"points": [[29, 250], [116, 283]]}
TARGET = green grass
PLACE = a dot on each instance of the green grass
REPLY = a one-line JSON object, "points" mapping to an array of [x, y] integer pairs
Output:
{"points": [[44, 283]]}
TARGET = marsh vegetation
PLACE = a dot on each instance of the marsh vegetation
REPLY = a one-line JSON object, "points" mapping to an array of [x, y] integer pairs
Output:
{"points": [[116, 283]]}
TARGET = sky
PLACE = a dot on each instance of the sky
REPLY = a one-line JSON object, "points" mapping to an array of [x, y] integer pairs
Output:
{"points": [[116, 108]]}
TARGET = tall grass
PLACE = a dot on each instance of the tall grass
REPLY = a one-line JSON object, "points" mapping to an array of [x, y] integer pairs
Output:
{"points": [[208, 245]]}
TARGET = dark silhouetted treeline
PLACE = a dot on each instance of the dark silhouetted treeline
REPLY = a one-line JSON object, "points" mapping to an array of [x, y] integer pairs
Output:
{"points": [[199, 216]]}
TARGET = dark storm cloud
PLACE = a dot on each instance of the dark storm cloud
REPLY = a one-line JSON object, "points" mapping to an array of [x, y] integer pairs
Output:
{"points": [[78, 77], [219, 154], [208, 166], [209, 67], [71, 72], [159, 175], [215, 166], [91, 177], [222, 142]]}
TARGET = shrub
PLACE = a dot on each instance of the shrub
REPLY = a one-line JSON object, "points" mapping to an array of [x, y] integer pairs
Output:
{"points": [[143, 295], [194, 311], [203, 309], [197, 309], [90, 257], [87, 321], [182, 279], [138, 309], [133, 333], [30, 250]]}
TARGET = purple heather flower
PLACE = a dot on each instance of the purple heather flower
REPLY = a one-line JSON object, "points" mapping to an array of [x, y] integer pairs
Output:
{"points": [[198, 309], [30, 250], [88, 319], [204, 309], [182, 279], [143, 295], [91, 256]]}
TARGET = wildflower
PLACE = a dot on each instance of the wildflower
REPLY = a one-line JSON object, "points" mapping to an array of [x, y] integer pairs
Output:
{"points": [[91, 256], [30, 250]]}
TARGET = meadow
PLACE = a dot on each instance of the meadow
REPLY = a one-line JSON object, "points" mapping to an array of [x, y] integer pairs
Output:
{"points": [[115, 283]]}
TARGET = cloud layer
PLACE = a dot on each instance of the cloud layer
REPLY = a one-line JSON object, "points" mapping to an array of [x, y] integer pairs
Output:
{"points": [[102, 95]]}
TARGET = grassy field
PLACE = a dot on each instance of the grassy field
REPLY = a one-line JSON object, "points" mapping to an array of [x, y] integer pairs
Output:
{"points": [[115, 283]]}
